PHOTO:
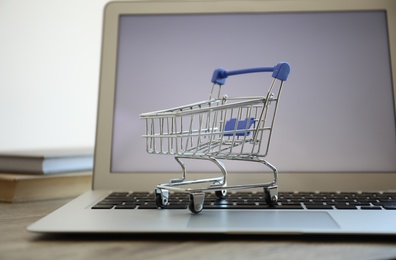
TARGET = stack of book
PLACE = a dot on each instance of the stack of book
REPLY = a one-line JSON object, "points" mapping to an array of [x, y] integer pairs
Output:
{"points": [[44, 174]]}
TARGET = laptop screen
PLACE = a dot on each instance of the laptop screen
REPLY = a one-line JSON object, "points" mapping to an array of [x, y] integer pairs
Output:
{"points": [[336, 112]]}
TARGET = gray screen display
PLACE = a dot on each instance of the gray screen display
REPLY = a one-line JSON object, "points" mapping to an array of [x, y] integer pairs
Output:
{"points": [[336, 112]]}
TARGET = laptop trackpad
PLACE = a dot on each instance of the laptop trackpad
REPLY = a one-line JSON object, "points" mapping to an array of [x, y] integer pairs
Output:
{"points": [[262, 220]]}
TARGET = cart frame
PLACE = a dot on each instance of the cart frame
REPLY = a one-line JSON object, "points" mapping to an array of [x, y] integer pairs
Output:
{"points": [[219, 128]]}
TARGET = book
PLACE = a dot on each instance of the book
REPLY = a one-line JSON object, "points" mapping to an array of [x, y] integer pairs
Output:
{"points": [[44, 162], [24, 188]]}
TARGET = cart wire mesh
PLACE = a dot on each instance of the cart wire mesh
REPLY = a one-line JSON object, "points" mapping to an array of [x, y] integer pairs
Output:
{"points": [[222, 127]]}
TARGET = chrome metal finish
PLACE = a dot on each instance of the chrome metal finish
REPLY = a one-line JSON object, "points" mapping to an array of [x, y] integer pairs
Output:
{"points": [[197, 201], [221, 128]]}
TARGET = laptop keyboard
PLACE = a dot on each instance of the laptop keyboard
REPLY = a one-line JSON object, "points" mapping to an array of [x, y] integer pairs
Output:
{"points": [[255, 200]]}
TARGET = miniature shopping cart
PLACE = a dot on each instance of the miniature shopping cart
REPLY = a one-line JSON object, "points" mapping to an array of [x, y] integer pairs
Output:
{"points": [[220, 128]]}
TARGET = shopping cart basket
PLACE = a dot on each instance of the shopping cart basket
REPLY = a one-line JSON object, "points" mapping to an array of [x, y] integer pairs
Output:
{"points": [[220, 128]]}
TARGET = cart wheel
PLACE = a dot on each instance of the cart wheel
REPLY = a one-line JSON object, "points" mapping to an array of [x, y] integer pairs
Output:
{"points": [[196, 202], [271, 195], [221, 194], [161, 197]]}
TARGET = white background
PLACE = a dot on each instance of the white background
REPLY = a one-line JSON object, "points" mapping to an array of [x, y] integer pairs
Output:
{"points": [[49, 72]]}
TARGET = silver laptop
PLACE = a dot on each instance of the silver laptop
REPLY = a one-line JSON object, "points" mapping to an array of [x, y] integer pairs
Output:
{"points": [[333, 142]]}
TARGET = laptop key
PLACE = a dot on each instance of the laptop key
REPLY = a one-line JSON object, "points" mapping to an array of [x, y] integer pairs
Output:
{"points": [[344, 206], [176, 206], [390, 206], [318, 206], [148, 206], [370, 207], [103, 206], [235, 206], [283, 206], [131, 206]]}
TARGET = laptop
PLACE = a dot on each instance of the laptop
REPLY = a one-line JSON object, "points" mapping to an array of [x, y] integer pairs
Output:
{"points": [[333, 142]]}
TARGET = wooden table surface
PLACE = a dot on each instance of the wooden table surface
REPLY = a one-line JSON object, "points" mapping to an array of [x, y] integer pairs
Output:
{"points": [[17, 243]]}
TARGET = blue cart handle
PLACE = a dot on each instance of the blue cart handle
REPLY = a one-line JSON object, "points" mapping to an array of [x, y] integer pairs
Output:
{"points": [[280, 71]]}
